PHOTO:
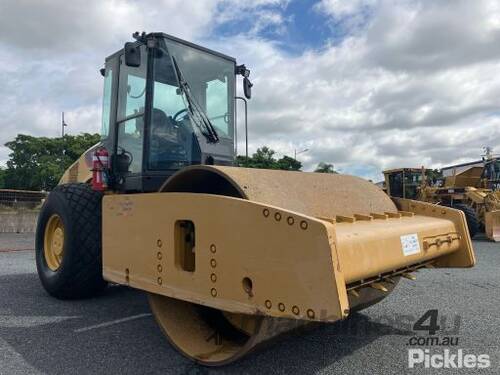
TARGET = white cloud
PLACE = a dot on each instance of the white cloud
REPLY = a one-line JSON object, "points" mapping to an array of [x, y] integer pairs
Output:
{"points": [[428, 36], [67, 27], [51, 52], [263, 15], [365, 102], [343, 8]]}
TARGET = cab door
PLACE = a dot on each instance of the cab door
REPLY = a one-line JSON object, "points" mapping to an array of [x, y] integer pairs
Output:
{"points": [[130, 123]]}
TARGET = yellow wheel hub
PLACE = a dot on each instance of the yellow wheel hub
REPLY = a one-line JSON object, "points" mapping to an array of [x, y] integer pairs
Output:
{"points": [[54, 242]]}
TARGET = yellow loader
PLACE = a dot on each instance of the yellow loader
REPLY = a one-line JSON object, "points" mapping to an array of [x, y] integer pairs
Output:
{"points": [[492, 215], [230, 257], [471, 191]]}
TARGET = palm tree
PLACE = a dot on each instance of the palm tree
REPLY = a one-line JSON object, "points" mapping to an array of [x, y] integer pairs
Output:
{"points": [[324, 168]]}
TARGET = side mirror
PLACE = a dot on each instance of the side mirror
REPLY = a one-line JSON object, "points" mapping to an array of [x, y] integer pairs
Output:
{"points": [[247, 88], [132, 55]]}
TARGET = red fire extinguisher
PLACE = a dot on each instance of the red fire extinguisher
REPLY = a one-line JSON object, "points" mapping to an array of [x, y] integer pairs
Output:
{"points": [[100, 163]]}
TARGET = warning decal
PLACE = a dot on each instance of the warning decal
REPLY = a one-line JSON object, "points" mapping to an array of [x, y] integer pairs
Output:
{"points": [[409, 244]]}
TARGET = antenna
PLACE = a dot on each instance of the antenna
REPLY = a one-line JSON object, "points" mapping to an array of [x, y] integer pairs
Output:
{"points": [[488, 152]]}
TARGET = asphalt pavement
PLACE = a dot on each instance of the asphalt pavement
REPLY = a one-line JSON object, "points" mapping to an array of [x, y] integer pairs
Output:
{"points": [[116, 334]]}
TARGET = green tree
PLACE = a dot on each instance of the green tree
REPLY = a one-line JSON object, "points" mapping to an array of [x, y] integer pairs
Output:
{"points": [[37, 163], [289, 164], [2, 178], [324, 168], [264, 158], [433, 175]]}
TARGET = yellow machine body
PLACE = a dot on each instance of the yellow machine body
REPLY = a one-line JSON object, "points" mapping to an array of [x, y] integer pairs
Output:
{"points": [[465, 188], [492, 215], [260, 245], [484, 202], [80, 170], [230, 257], [467, 178]]}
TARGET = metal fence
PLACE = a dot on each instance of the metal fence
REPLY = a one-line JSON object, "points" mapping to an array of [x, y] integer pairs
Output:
{"points": [[21, 199]]}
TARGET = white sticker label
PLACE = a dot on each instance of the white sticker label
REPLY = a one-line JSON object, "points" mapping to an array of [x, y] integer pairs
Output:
{"points": [[410, 245]]}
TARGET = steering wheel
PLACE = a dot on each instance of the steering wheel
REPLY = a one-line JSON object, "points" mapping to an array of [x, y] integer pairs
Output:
{"points": [[129, 90], [178, 113]]}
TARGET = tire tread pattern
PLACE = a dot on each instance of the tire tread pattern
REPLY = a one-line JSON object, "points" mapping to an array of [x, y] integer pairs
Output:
{"points": [[83, 278], [472, 221]]}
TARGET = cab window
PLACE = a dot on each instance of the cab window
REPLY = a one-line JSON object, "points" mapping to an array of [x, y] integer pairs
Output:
{"points": [[106, 102], [170, 133], [130, 115], [130, 142], [217, 105], [132, 88]]}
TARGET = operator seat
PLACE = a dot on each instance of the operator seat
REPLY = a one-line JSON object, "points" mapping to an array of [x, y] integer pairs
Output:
{"points": [[165, 143]]}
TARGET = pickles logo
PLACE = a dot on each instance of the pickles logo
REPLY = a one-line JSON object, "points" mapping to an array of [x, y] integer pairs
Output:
{"points": [[451, 357], [446, 359]]}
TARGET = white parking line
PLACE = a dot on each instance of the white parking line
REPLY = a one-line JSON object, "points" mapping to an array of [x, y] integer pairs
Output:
{"points": [[113, 322], [28, 321]]}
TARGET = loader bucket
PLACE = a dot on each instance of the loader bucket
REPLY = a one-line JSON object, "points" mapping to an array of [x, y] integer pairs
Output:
{"points": [[233, 257], [492, 225]]}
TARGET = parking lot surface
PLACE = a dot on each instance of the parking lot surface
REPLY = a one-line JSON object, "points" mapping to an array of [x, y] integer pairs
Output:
{"points": [[116, 334]]}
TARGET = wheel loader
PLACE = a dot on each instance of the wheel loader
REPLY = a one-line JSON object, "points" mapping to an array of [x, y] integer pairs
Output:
{"points": [[229, 257], [471, 191]]}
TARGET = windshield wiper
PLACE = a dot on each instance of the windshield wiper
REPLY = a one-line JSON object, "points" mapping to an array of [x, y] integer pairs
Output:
{"points": [[198, 115]]}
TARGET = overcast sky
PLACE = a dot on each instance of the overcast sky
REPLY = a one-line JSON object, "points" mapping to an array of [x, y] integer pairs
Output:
{"points": [[363, 84]]}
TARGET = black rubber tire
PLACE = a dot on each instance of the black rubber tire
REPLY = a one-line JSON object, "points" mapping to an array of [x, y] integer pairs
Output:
{"points": [[80, 273], [470, 215]]}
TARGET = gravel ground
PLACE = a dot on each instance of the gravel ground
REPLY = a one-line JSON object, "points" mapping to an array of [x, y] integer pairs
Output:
{"points": [[39, 334]]}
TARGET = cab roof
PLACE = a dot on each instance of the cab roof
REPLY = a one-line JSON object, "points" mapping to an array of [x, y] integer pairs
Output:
{"points": [[415, 170], [181, 41]]}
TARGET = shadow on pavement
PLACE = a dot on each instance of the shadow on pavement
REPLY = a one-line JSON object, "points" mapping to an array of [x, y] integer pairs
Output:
{"points": [[42, 330]]}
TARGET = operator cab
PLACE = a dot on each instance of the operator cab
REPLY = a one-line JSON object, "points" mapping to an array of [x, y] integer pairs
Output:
{"points": [[167, 104], [491, 173], [404, 182]]}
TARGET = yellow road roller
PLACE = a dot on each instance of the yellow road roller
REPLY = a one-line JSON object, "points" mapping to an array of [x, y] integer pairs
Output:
{"points": [[230, 257]]}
